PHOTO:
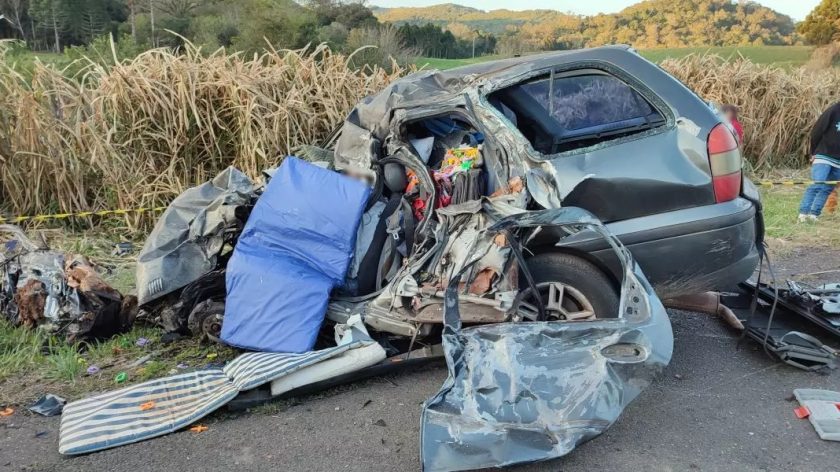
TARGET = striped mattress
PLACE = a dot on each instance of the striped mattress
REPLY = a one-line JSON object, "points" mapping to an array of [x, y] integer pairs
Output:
{"points": [[162, 406]]}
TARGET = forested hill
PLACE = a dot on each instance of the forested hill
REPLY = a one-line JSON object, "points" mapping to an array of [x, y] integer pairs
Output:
{"points": [[650, 23]]}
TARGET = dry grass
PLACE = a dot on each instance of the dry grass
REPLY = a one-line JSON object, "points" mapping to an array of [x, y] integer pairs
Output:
{"points": [[778, 106], [137, 134]]}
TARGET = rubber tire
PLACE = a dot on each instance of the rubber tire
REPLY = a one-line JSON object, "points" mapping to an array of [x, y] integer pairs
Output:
{"points": [[579, 273]]}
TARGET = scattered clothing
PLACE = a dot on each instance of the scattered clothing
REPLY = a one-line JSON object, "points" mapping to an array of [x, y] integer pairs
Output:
{"points": [[48, 405]]}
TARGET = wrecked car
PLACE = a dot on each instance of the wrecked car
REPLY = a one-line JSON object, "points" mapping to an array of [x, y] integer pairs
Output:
{"points": [[495, 213], [600, 129]]}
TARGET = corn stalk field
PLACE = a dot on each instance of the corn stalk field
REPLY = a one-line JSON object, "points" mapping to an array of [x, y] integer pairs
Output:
{"points": [[778, 105], [138, 133]]}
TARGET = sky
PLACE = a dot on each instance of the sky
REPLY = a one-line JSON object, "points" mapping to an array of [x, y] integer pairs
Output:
{"points": [[798, 9]]}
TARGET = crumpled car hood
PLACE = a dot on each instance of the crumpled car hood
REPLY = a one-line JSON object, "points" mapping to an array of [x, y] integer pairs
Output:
{"points": [[525, 392], [186, 240]]}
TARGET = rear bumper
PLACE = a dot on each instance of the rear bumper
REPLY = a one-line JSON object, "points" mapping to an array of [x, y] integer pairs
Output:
{"points": [[688, 251]]}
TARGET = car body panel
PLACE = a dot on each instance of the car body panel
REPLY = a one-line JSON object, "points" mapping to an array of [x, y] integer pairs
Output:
{"points": [[525, 392]]}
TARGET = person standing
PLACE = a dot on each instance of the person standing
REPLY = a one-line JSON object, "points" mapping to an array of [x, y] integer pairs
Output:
{"points": [[825, 163]]}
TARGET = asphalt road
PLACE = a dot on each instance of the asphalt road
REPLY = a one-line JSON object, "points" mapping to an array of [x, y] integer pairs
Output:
{"points": [[714, 408]]}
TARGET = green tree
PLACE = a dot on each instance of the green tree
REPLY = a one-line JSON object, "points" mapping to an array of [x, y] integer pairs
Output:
{"points": [[821, 26], [51, 18]]}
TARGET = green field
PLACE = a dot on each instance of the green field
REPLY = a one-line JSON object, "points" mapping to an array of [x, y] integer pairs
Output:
{"points": [[443, 64], [784, 56]]}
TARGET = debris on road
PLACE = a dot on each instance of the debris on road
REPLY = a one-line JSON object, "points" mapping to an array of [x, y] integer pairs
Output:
{"points": [[709, 302], [58, 292], [786, 323], [48, 405], [167, 404], [823, 411]]}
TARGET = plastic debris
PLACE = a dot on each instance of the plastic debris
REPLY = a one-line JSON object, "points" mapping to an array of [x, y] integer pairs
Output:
{"points": [[93, 370], [141, 342], [212, 355], [147, 406], [823, 407], [48, 405], [801, 412], [7, 412], [121, 378], [199, 428], [122, 249], [182, 366]]}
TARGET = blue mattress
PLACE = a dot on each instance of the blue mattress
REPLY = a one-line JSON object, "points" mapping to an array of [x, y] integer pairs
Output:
{"points": [[294, 250]]}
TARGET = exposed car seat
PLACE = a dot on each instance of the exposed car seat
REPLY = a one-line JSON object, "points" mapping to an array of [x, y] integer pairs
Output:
{"points": [[372, 269]]}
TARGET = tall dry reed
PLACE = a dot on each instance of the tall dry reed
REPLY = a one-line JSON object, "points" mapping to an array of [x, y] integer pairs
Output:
{"points": [[778, 106], [137, 134]]}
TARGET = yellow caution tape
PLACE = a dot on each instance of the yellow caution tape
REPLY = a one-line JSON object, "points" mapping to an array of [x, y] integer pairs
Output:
{"points": [[790, 183], [85, 214], [81, 214]]}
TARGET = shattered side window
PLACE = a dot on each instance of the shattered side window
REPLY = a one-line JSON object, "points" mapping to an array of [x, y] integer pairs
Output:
{"points": [[589, 101], [577, 110]]}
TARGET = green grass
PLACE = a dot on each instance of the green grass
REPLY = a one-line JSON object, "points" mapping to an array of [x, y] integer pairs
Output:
{"points": [[32, 363], [783, 56], [781, 207], [20, 349], [443, 64]]}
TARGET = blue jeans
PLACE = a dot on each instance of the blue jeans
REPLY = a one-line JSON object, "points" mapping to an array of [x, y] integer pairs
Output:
{"points": [[815, 196]]}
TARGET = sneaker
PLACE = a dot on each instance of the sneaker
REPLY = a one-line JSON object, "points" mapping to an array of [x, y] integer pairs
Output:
{"points": [[802, 218], [813, 218]]}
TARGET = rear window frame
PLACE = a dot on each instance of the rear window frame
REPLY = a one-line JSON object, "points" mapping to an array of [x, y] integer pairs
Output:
{"points": [[654, 100]]}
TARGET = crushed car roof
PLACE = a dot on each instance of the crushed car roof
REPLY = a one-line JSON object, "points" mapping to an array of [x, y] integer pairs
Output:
{"points": [[369, 123]]}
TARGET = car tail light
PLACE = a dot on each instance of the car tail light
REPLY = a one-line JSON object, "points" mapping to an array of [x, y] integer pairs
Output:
{"points": [[725, 161]]}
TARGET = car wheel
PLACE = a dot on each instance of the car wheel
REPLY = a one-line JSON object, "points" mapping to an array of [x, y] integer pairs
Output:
{"points": [[206, 319], [570, 287]]}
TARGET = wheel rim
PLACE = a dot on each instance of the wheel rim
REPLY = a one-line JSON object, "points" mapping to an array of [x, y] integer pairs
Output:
{"points": [[562, 302]]}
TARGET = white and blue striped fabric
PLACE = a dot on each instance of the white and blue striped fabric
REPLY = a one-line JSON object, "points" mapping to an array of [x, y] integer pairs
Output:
{"points": [[253, 369], [162, 406]]}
